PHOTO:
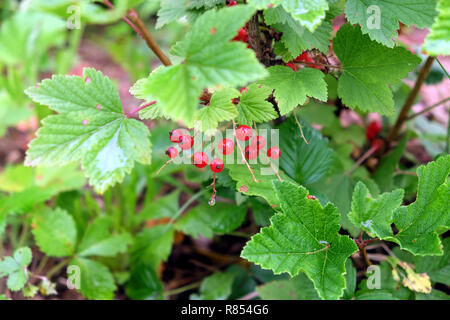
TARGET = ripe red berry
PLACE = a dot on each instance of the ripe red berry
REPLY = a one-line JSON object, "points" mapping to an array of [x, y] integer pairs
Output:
{"points": [[172, 152], [373, 129], [274, 152], [241, 36], [258, 142], [226, 146], [216, 165], [231, 3], [175, 135], [243, 133], [304, 57], [186, 142], [200, 160], [251, 152], [377, 144], [291, 65]]}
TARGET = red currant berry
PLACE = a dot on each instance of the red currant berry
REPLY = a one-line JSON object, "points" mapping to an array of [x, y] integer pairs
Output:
{"points": [[175, 135], [172, 152], [216, 165], [373, 129], [200, 160], [251, 153], [377, 144], [231, 3], [243, 133], [258, 142], [274, 152], [226, 146], [186, 142], [241, 36], [291, 65]]}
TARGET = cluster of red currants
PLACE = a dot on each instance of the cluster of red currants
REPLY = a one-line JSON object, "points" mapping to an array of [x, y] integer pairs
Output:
{"points": [[225, 147], [303, 58]]}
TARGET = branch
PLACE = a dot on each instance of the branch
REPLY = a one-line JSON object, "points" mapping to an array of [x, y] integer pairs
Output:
{"points": [[129, 114], [428, 109], [132, 18], [145, 34], [403, 116]]}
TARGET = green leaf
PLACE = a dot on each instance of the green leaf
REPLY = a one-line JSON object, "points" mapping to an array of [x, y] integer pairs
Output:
{"points": [[98, 241], [152, 245], [55, 232], [389, 289], [438, 40], [15, 268], [11, 112], [215, 287], [263, 188], [144, 284], [388, 13], [172, 10], [21, 202], [309, 13], [350, 280], [438, 268], [253, 106], [367, 69], [26, 35], [164, 207], [295, 37], [209, 59], [90, 128], [374, 216], [30, 291], [221, 108], [304, 237], [385, 172], [292, 88], [305, 163], [418, 222], [375, 295], [204, 220], [297, 288], [96, 282]]}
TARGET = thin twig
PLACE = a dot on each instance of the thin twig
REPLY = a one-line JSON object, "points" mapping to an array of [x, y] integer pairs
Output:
{"points": [[182, 289], [242, 154], [318, 64], [270, 162], [163, 166], [250, 296], [132, 18], [428, 109], [129, 114], [410, 101], [362, 159], [300, 126]]}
